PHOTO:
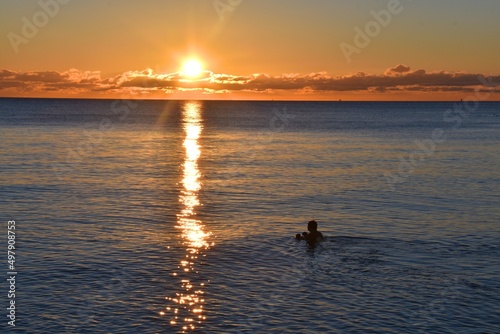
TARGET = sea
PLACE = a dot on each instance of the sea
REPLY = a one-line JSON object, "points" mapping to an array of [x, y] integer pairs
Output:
{"points": [[140, 216]]}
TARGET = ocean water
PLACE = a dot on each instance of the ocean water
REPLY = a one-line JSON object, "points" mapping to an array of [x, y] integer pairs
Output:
{"points": [[178, 216]]}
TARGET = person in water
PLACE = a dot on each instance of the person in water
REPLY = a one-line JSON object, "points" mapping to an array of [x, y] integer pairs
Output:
{"points": [[313, 236]]}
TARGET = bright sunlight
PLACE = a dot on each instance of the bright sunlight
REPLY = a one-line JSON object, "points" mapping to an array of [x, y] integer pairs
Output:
{"points": [[192, 68]]}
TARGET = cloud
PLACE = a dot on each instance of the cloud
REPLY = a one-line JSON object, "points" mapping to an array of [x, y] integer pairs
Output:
{"points": [[397, 70], [396, 79], [35, 81]]}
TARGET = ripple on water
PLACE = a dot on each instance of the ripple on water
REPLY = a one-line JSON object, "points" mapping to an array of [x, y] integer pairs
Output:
{"points": [[350, 284]]}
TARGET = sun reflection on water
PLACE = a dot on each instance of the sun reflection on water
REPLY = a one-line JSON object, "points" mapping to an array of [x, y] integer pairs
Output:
{"points": [[186, 309]]}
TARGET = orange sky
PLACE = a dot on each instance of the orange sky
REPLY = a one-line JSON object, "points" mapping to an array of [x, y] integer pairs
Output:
{"points": [[251, 49]]}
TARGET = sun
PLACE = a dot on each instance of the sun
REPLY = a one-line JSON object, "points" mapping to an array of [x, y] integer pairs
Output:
{"points": [[192, 68]]}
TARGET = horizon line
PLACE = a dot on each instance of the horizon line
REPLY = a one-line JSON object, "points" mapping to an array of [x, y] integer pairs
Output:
{"points": [[229, 100]]}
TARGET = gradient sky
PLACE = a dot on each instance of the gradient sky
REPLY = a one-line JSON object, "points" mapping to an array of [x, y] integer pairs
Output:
{"points": [[264, 49]]}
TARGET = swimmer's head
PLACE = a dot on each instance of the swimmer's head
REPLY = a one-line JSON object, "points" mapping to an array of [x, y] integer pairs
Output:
{"points": [[312, 226]]}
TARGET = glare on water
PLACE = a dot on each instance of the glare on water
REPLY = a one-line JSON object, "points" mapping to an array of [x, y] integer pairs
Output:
{"points": [[187, 306]]}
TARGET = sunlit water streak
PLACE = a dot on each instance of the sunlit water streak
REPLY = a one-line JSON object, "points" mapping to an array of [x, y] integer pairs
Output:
{"points": [[187, 307]]}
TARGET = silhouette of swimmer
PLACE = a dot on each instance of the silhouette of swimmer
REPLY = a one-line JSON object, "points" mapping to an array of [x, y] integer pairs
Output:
{"points": [[313, 236]]}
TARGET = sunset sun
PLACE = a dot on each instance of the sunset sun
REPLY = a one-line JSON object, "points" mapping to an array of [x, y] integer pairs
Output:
{"points": [[192, 68]]}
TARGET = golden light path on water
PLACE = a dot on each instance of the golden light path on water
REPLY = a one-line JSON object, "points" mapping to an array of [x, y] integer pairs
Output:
{"points": [[188, 309]]}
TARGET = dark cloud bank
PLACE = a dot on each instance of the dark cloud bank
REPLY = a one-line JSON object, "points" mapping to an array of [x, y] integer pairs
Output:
{"points": [[397, 79]]}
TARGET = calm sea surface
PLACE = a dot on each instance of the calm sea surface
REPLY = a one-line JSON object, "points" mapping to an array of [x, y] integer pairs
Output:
{"points": [[178, 216]]}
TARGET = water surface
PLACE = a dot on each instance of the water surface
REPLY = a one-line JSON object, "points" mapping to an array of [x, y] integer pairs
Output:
{"points": [[178, 216]]}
